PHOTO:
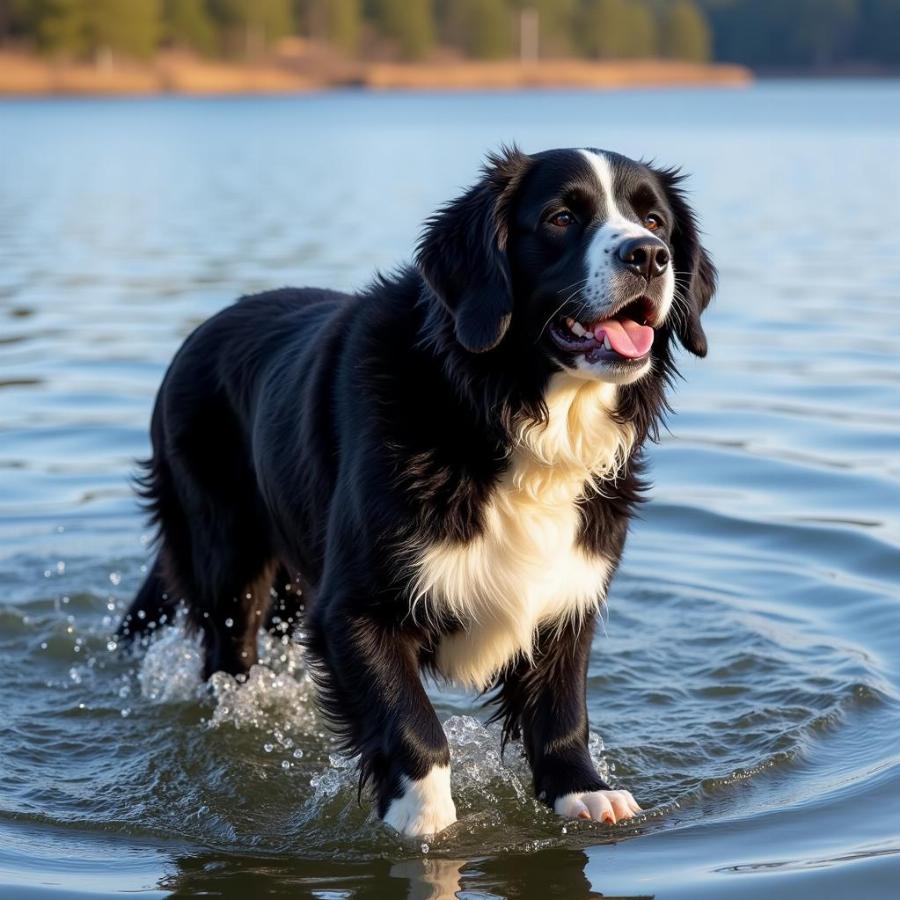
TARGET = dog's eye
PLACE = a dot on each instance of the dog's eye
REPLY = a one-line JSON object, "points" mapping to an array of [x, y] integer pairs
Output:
{"points": [[652, 222], [562, 219]]}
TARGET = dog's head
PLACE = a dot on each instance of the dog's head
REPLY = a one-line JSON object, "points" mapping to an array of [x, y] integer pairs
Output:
{"points": [[588, 256]]}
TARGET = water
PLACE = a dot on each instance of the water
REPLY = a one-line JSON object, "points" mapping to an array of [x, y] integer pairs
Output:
{"points": [[746, 686]]}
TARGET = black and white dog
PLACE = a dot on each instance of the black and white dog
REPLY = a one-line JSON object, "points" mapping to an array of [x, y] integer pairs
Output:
{"points": [[444, 465]]}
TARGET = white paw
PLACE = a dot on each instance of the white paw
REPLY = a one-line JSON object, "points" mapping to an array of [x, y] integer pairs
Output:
{"points": [[601, 806], [426, 806]]}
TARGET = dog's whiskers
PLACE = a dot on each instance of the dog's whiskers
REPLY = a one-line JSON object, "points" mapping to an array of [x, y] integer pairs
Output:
{"points": [[680, 306], [574, 288]]}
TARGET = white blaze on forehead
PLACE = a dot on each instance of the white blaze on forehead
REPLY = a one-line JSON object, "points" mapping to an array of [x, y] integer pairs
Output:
{"points": [[601, 252], [604, 172]]}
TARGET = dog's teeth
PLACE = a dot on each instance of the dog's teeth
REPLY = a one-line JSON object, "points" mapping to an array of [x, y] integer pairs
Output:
{"points": [[606, 344]]}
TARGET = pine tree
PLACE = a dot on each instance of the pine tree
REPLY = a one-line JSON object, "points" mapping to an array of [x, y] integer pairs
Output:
{"points": [[255, 24], [876, 34], [556, 21], [643, 32], [603, 28], [188, 24], [484, 29], [827, 32], [61, 26], [11, 19], [339, 22], [686, 33], [343, 20], [616, 29], [127, 27], [409, 23]]}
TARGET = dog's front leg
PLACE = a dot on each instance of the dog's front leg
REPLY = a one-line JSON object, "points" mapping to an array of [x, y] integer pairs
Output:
{"points": [[545, 701], [370, 689]]}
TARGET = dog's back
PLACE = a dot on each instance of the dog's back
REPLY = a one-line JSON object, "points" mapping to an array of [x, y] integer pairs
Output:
{"points": [[201, 483]]}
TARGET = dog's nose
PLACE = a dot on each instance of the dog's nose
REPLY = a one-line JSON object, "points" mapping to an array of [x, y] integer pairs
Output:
{"points": [[645, 256]]}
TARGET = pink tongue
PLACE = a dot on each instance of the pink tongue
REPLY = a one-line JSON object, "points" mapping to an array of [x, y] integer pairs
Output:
{"points": [[626, 337]]}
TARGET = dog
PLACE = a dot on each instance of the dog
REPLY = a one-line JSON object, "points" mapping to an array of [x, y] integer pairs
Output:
{"points": [[436, 475]]}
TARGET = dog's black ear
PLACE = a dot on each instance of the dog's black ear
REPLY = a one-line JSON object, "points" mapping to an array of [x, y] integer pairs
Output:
{"points": [[695, 274], [462, 254]]}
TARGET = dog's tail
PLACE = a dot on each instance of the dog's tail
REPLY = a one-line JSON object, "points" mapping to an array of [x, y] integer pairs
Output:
{"points": [[152, 607]]}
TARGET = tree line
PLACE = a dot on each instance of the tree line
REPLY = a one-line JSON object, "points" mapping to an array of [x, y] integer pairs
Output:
{"points": [[806, 33], [786, 33]]}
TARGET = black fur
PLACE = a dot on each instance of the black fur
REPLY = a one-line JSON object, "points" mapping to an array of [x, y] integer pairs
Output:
{"points": [[303, 440]]}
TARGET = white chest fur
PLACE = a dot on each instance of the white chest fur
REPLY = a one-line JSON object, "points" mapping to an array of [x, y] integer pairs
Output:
{"points": [[526, 568]]}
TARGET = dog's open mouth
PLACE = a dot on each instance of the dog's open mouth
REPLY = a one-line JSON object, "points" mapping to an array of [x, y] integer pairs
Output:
{"points": [[623, 337]]}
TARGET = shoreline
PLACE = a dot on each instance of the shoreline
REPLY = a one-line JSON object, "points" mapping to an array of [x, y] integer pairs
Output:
{"points": [[25, 75]]}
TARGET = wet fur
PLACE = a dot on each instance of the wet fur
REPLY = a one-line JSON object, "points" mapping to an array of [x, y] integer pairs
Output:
{"points": [[345, 460]]}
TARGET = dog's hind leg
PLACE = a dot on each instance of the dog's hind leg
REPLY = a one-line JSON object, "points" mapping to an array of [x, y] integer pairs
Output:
{"points": [[215, 549], [230, 630], [223, 566], [225, 577]]}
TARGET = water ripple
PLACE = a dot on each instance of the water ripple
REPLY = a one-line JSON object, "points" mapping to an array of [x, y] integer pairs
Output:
{"points": [[745, 682]]}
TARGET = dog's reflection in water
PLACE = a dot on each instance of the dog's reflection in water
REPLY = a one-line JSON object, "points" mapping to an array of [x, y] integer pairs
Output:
{"points": [[431, 879], [550, 873], [553, 872]]}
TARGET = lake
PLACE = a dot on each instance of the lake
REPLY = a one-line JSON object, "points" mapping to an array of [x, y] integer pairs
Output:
{"points": [[746, 685]]}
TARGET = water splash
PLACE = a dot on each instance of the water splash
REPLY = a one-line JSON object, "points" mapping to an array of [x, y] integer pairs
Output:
{"points": [[275, 704], [171, 667], [266, 698]]}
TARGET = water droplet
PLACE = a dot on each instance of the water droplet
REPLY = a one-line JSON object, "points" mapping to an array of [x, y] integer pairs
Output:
{"points": [[268, 747], [298, 754], [111, 645], [229, 623], [61, 567], [285, 764], [115, 578], [425, 848]]}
